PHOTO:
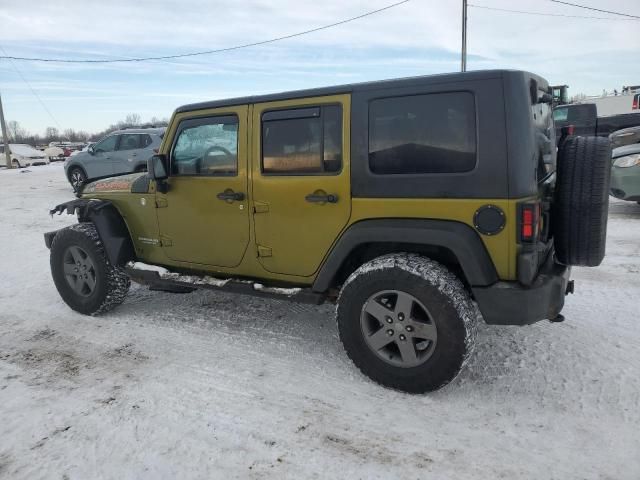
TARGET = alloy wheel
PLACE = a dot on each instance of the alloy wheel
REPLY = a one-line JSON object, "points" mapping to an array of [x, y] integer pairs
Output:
{"points": [[398, 328], [79, 271], [77, 179]]}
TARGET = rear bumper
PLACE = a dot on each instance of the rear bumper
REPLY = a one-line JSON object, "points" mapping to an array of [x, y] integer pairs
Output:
{"points": [[510, 303]]}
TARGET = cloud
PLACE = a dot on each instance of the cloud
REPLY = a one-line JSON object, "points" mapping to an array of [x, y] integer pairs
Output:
{"points": [[420, 37]]}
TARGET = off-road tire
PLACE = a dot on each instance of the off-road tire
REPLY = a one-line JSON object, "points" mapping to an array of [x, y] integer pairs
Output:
{"points": [[581, 204], [112, 283], [439, 290]]}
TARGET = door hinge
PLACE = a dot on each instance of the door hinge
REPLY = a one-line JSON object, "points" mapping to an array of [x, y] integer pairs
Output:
{"points": [[264, 251], [161, 203], [260, 207], [165, 241]]}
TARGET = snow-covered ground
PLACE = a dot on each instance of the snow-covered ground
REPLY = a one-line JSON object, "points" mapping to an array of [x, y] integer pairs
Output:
{"points": [[210, 385]]}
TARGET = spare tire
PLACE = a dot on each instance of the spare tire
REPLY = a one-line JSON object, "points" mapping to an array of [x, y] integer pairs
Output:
{"points": [[581, 203]]}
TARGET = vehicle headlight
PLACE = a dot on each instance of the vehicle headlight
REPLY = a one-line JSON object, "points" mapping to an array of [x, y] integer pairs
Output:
{"points": [[628, 161]]}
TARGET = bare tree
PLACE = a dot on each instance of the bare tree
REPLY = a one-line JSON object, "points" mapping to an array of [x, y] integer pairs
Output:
{"points": [[132, 120], [69, 134], [15, 132], [51, 134], [158, 122]]}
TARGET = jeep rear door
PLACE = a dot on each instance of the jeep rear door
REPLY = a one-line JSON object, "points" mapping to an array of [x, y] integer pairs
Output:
{"points": [[300, 180], [203, 217]]}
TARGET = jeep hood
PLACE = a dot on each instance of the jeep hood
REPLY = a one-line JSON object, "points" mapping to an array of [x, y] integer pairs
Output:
{"points": [[118, 184]]}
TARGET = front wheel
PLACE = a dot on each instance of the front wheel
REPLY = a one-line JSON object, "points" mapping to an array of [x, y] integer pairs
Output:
{"points": [[16, 163], [407, 322], [83, 275], [77, 178]]}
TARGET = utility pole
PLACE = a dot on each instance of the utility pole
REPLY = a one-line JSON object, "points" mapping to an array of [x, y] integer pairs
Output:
{"points": [[463, 66], [5, 136]]}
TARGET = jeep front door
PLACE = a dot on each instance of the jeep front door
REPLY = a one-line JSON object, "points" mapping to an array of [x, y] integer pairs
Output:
{"points": [[203, 217], [300, 181]]}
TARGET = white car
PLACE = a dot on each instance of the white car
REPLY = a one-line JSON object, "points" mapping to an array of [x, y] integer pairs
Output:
{"points": [[54, 153], [23, 155]]}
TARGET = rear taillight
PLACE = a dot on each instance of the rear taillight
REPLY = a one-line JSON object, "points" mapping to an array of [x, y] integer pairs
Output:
{"points": [[635, 102], [529, 222]]}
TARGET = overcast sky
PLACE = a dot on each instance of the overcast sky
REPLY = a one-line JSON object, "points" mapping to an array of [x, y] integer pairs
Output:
{"points": [[416, 38]]}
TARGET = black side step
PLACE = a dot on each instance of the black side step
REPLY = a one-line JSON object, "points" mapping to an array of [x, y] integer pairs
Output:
{"points": [[245, 287]]}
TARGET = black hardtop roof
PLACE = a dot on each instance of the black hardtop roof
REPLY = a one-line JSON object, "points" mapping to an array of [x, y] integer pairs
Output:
{"points": [[354, 87]]}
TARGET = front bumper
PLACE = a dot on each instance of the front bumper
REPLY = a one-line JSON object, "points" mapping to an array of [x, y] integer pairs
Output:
{"points": [[510, 303]]}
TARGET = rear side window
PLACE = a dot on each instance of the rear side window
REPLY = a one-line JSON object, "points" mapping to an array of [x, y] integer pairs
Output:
{"points": [[575, 113], [145, 140], [129, 142], [304, 141], [434, 133], [133, 141], [560, 114]]}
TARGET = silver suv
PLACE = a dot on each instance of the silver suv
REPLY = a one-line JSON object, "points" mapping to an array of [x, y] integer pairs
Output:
{"points": [[122, 151]]}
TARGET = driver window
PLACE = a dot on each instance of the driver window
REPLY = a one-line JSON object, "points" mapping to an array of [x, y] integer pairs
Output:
{"points": [[206, 147], [106, 145]]}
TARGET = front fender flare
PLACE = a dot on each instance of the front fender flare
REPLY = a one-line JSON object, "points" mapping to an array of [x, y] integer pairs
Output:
{"points": [[110, 225]]}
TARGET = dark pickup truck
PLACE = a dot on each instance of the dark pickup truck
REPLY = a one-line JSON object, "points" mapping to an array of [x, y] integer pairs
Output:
{"points": [[585, 121]]}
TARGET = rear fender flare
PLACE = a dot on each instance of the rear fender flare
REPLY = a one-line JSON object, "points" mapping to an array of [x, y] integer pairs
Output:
{"points": [[462, 240]]}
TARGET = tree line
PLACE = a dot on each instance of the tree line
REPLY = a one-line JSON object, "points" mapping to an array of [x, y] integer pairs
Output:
{"points": [[18, 134]]}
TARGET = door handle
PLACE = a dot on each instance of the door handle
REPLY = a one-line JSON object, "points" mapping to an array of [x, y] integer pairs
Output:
{"points": [[230, 196], [317, 197]]}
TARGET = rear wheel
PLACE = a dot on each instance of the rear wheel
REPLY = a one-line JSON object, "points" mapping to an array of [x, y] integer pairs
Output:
{"points": [[77, 178], [581, 205], [406, 322], [83, 275]]}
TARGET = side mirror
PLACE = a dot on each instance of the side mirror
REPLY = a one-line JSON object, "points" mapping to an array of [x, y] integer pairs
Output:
{"points": [[90, 150], [157, 166]]}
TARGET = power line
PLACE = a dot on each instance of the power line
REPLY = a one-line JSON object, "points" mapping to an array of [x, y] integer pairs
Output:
{"points": [[35, 94], [596, 9], [207, 52], [551, 14]]}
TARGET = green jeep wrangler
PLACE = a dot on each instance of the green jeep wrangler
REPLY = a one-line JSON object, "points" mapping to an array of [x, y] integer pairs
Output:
{"points": [[419, 206]]}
